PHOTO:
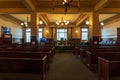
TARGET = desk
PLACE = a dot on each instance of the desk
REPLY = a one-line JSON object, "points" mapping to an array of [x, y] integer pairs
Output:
{"points": [[61, 43]]}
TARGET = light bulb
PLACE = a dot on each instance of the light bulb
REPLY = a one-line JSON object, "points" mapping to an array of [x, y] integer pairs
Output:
{"points": [[22, 24], [41, 22], [87, 22], [102, 24]]}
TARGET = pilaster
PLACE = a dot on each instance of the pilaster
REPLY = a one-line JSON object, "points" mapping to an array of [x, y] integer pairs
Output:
{"points": [[34, 27], [94, 29]]}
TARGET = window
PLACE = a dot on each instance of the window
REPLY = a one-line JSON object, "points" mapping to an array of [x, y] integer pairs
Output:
{"points": [[28, 34], [40, 30], [61, 33], [84, 34]]}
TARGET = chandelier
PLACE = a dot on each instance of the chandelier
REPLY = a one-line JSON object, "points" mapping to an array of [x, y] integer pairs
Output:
{"points": [[67, 4], [62, 22], [27, 22]]}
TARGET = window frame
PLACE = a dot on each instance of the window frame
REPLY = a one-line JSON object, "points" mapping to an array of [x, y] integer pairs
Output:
{"points": [[62, 32], [29, 31], [85, 32]]}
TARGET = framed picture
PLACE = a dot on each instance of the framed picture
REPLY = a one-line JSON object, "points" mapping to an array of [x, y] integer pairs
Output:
{"points": [[5, 30]]}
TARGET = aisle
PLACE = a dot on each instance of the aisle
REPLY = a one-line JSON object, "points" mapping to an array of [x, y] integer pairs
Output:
{"points": [[66, 67]]}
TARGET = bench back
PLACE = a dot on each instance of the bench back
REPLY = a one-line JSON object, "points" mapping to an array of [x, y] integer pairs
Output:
{"points": [[93, 57], [108, 67]]}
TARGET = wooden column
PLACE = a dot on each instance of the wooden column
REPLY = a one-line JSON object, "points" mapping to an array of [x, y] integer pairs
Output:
{"points": [[55, 33], [94, 29], [118, 37], [34, 28], [69, 33], [51, 32]]}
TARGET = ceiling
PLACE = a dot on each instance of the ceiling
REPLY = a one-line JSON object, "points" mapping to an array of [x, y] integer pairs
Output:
{"points": [[19, 10]]}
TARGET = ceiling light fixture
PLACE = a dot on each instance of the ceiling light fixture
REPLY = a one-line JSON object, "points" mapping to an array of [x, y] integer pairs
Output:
{"points": [[67, 4], [26, 23], [62, 22]]}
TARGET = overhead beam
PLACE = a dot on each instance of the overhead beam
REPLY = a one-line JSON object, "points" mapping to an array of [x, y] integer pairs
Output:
{"points": [[9, 0], [61, 10], [115, 0], [81, 18], [29, 4], [113, 19], [44, 18], [14, 10], [101, 4], [10, 18], [49, 10], [110, 10]]}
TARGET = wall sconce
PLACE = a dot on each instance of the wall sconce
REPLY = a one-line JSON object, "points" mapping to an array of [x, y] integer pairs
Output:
{"points": [[47, 31], [87, 22], [40, 22], [76, 31], [102, 24]]}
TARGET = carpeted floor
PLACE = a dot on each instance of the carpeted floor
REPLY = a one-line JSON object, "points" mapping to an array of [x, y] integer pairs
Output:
{"points": [[66, 67]]}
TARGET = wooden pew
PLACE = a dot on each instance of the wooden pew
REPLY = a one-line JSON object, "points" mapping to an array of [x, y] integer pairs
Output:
{"points": [[40, 49], [108, 68], [83, 53], [27, 54], [24, 65], [77, 49], [92, 58]]}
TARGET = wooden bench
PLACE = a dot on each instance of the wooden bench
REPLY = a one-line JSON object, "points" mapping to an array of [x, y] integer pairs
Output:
{"points": [[108, 68], [24, 65], [77, 49], [83, 53], [40, 49], [92, 58], [27, 54]]}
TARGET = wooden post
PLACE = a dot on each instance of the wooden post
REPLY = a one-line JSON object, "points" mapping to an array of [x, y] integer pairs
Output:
{"points": [[34, 28], [94, 29]]}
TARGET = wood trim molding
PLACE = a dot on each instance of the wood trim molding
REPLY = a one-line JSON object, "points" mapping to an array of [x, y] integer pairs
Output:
{"points": [[10, 18]]}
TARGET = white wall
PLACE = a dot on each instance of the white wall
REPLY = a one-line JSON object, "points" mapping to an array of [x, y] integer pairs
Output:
{"points": [[110, 31], [16, 30]]}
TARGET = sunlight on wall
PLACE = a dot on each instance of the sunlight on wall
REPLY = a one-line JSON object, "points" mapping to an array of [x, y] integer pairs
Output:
{"points": [[110, 31]]}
